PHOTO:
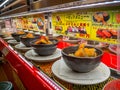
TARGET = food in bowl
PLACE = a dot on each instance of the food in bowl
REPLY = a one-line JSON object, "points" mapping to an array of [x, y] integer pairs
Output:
{"points": [[44, 46], [17, 35], [84, 61], [26, 39], [29, 35], [20, 32], [43, 40], [85, 52]]}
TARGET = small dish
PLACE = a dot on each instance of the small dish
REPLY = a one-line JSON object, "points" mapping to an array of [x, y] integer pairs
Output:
{"points": [[98, 75], [22, 47], [31, 55], [8, 38], [72, 41], [99, 45], [13, 42], [113, 48]]}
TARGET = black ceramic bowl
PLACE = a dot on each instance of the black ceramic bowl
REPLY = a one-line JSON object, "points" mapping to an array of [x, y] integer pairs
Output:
{"points": [[26, 41], [45, 49], [17, 36], [81, 64], [1, 35], [37, 35], [90, 42]]}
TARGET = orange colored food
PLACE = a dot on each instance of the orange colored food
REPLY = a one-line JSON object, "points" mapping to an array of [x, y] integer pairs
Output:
{"points": [[106, 33], [113, 32], [39, 24], [99, 17], [43, 40], [29, 35], [20, 32], [118, 18], [85, 52]]}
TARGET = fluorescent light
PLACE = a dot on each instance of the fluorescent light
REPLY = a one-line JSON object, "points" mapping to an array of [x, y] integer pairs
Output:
{"points": [[4, 3]]}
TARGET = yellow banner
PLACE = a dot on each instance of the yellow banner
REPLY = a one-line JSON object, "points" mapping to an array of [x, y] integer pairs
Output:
{"points": [[99, 26]]}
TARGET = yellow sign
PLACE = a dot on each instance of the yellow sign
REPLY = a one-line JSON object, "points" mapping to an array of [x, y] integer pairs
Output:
{"points": [[98, 26], [35, 23]]}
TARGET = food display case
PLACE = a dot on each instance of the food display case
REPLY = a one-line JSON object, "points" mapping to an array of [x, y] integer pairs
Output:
{"points": [[94, 23]]}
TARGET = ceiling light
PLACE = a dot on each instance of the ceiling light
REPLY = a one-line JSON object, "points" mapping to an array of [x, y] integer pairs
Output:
{"points": [[4, 3]]}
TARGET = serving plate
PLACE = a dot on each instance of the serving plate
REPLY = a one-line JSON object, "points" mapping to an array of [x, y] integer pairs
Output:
{"points": [[35, 57], [8, 38], [98, 75], [99, 45], [22, 47], [13, 42], [113, 48], [72, 41]]}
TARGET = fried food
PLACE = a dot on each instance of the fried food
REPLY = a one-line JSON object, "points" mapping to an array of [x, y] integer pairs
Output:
{"points": [[29, 35], [20, 32], [85, 52], [43, 40]]}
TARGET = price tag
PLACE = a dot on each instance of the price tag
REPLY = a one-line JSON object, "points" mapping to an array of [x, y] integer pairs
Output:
{"points": [[5, 51]]}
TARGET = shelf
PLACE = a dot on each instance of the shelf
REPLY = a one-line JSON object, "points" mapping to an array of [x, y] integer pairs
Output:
{"points": [[16, 10], [77, 5], [13, 4]]}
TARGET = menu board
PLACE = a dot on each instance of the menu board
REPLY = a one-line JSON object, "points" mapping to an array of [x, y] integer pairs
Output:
{"points": [[8, 27], [18, 22], [38, 22], [99, 26], [116, 17], [35, 22], [104, 27], [8, 23], [72, 24]]}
